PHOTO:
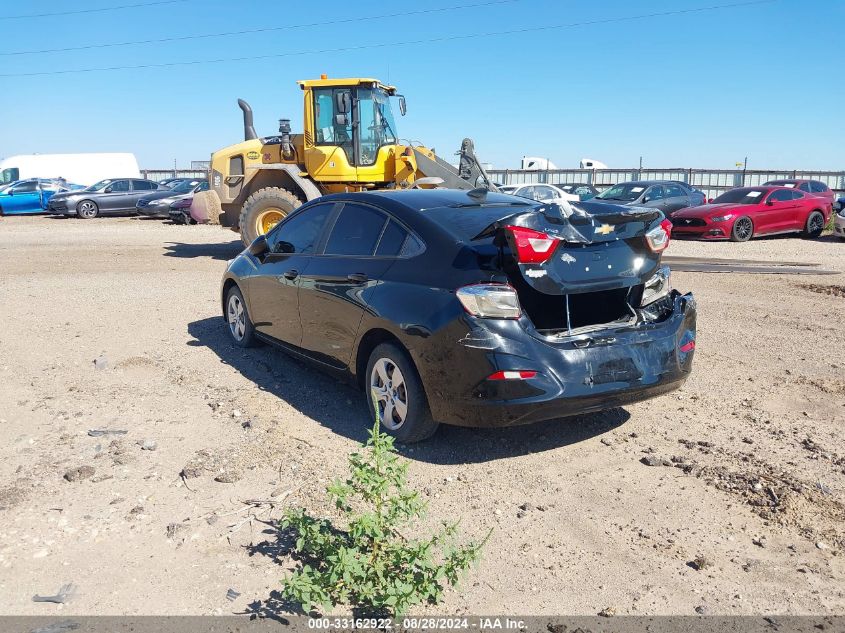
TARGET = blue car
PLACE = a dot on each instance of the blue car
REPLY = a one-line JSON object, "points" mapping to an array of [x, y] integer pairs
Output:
{"points": [[30, 196]]}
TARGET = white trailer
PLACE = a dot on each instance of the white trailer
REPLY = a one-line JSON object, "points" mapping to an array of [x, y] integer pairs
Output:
{"points": [[81, 169]]}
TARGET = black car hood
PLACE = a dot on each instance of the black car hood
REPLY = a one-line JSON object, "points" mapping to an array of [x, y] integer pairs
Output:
{"points": [[602, 247]]}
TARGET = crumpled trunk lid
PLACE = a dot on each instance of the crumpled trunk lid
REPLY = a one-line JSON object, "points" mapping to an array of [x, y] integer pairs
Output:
{"points": [[598, 247]]}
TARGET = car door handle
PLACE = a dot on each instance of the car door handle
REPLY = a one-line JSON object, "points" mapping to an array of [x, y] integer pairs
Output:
{"points": [[290, 275], [358, 278]]}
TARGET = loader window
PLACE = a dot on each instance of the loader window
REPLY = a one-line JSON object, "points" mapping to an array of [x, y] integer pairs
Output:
{"points": [[332, 127], [9, 175], [377, 124]]}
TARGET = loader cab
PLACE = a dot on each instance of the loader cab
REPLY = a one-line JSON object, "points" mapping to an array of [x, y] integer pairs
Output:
{"points": [[350, 129]]}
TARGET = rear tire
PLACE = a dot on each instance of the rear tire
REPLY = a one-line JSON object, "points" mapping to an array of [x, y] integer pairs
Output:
{"points": [[87, 210], [399, 393], [263, 210], [238, 322], [742, 230], [814, 225]]}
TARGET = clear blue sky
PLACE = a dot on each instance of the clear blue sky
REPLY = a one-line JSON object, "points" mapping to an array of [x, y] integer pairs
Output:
{"points": [[700, 89]]}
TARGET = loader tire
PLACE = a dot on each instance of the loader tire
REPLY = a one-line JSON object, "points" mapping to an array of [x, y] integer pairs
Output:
{"points": [[263, 210]]}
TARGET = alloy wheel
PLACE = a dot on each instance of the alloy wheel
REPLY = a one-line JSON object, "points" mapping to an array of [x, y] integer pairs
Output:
{"points": [[388, 387], [87, 209], [236, 317], [816, 223], [743, 228]]}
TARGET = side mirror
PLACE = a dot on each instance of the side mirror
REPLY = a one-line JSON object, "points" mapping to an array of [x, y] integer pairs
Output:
{"points": [[403, 107], [10, 191], [107, 190], [343, 102], [646, 199], [770, 202], [258, 246]]}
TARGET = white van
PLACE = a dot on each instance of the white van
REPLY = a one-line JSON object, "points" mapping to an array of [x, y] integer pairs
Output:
{"points": [[80, 169]]}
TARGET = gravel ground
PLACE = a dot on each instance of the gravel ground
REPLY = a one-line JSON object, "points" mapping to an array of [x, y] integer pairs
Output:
{"points": [[748, 476]]}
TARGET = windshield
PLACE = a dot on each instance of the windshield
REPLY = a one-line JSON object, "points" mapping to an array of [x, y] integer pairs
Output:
{"points": [[626, 192], [98, 185], [186, 186], [378, 127], [743, 195]]}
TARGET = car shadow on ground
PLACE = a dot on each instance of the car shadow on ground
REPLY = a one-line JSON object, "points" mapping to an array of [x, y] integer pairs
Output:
{"points": [[341, 407], [223, 252]]}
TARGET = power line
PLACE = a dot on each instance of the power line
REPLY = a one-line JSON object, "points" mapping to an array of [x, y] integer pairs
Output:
{"points": [[433, 40], [183, 38], [100, 10]]}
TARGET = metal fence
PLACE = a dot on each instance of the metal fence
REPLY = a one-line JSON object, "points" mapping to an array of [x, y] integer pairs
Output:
{"points": [[711, 181], [162, 174]]}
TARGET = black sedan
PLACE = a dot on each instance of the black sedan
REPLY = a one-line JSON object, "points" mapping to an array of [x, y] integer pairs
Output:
{"points": [[666, 195], [469, 308], [107, 197]]}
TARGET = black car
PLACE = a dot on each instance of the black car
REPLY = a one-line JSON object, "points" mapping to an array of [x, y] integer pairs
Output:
{"points": [[666, 195], [469, 308], [107, 197]]}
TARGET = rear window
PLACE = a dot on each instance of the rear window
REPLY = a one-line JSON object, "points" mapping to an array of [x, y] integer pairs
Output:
{"points": [[390, 244], [467, 222]]}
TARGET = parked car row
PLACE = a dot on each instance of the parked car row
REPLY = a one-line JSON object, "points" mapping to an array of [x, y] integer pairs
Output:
{"points": [[778, 206], [113, 196]]}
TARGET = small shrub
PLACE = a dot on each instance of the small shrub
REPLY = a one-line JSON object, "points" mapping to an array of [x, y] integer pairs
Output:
{"points": [[368, 563]]}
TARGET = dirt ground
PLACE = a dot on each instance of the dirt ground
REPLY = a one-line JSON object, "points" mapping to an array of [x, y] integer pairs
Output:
{"points": [[749, 474]]}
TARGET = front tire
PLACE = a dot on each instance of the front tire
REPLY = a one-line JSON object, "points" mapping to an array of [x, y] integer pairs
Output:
{"points": [[814, 225], [263, 210], [394, 385], [742, 230], [87, 210], [237, 318]]}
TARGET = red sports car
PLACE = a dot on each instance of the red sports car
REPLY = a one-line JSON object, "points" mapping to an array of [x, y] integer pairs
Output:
{"points": [[745, 212]]}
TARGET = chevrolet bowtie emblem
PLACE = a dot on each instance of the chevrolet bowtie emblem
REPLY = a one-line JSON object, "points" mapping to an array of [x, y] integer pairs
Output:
{"points": [[604, 229]]}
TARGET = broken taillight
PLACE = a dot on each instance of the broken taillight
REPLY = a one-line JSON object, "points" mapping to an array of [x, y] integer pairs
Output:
{"points": [[532, 247], [521, 374], [658, 237]]}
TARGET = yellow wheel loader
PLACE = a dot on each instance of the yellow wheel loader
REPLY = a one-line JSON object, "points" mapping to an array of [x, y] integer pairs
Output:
{"points": [[349, 143]]}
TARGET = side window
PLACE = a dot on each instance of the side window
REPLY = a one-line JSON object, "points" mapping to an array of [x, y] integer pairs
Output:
{"points": [[781, 195], [143, 185], [818, 187], [543, 194], [796, 195], [301, 232], [804, 186], [203, 186], [392, 240], [582, 191], [654, 193], [356, 231], [26, 187], [118, 186], [674, 191]]}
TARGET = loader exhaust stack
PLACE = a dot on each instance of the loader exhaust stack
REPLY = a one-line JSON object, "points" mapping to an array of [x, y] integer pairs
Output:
{"points": [[249, 130]]}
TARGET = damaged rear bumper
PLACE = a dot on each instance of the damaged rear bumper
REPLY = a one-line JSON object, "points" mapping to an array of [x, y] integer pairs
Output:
{"points": [[576, 374]]}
